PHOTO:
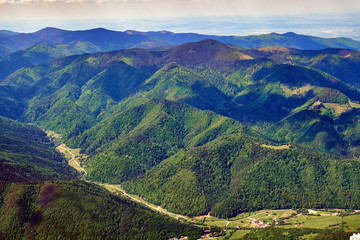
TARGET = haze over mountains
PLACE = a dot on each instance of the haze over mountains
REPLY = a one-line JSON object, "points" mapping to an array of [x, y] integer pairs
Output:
{"points": [[191, 123], [101, 39]]}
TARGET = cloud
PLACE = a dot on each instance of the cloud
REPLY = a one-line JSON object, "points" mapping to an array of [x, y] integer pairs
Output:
{"points": [[327, 31], [70, 1], [96, 9]]}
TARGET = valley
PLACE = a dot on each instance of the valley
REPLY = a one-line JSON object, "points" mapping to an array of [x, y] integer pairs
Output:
{"points": [[75, 159], [41, 196]]}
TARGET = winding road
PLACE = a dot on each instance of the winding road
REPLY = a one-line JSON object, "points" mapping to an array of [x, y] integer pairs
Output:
{"points": [[73, 158]]}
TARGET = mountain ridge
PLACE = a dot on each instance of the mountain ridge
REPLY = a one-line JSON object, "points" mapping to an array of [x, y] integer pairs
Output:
{"points": [[208, 74], [108, 40]]}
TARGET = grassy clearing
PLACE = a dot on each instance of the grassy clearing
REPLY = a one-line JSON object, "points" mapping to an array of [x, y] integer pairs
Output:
{"points": [[52, 134], [241, 223], [220, 223], [313, 221], [63, 151], [245, 220], [75, 151], [337, 108], [295, 91], [352, 222], [287, 146], [234, 234], [286, 213], [309, 236], [354, 105], [239, 234]]}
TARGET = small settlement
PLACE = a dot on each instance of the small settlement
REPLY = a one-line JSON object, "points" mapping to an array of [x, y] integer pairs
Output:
{"points": [[260, 224]]}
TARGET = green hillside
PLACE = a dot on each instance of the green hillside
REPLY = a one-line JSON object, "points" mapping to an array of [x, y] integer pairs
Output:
{"points": [[68, 94], [72, 94], [309, 128], [341, 63], [26, 154], [79, 210], [40, 54], [136, 140], [35, 206], [231, 175], [191, 161]]}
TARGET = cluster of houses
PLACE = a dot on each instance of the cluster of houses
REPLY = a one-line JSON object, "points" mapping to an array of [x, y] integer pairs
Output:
{"points": [[355, 236], [207, 232], [259, 223]]}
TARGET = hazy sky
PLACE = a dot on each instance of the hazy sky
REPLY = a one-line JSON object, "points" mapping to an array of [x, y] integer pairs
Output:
{"points": [[175, 15]]}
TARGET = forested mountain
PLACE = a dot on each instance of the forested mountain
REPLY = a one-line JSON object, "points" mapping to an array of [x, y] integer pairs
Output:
{"points": [[192, 161], [40, 54], [197, 127], [100, 39], [341, 63], [130, 143], [228, 176], [7, 33], [74, 93], [79, 210]]}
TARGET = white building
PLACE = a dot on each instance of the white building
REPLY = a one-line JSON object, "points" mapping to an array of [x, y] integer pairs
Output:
{"points": [[355, 237]]}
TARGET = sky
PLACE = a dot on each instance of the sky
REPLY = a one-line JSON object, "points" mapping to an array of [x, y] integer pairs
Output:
{"points": [[326, 18]]}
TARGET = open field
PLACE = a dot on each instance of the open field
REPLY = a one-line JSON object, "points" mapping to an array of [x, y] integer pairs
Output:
{"points": [[313, 221], [324, 219], [352, 223]]}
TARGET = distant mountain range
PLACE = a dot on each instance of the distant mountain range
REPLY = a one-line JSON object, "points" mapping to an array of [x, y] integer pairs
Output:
{"points": [[100, 39]]}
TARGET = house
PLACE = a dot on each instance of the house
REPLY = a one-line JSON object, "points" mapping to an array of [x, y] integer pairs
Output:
{"points": [[207, 229], [355, 236], [259, 223]]}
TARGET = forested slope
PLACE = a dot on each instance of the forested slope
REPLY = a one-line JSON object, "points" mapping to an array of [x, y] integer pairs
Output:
{"points": [[26, 154], [79, 210], [35, 206]]}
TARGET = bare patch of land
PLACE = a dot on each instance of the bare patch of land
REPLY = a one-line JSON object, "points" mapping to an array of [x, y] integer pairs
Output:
{"points": [[73, 162], [295, 91], [282, 147]]}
